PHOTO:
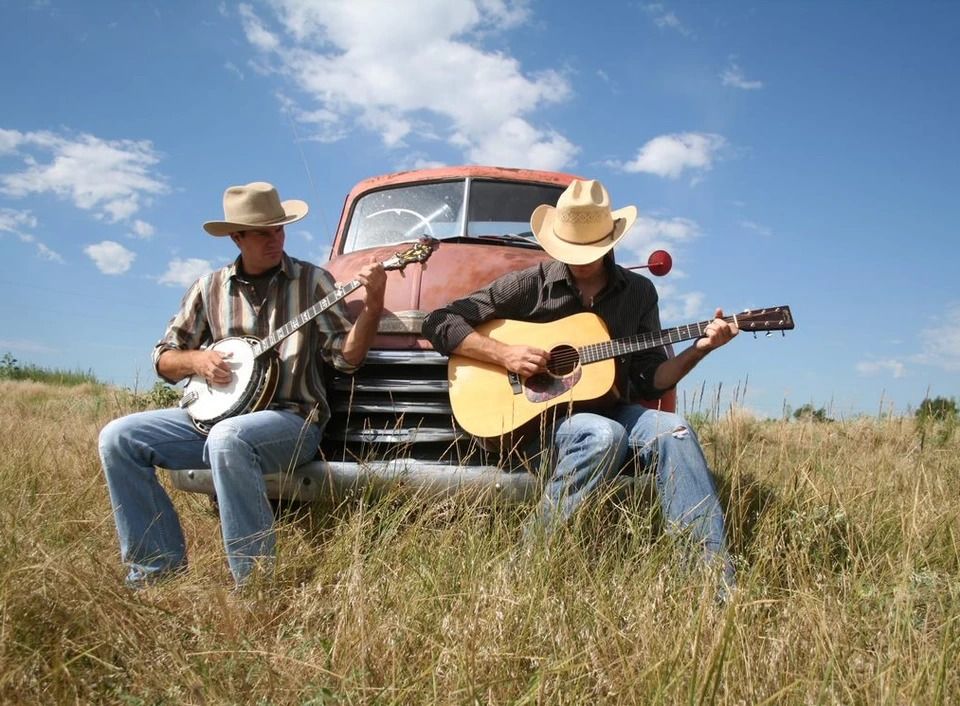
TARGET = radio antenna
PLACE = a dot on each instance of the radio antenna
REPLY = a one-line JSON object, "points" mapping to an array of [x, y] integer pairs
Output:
{"points": [[306, 168]]}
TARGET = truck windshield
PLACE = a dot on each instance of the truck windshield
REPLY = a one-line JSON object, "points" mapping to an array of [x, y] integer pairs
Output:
{"points": [[451, 209]]}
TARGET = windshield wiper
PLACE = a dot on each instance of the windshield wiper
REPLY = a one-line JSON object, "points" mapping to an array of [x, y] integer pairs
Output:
{"points": [[512, 237], [509, 237]]}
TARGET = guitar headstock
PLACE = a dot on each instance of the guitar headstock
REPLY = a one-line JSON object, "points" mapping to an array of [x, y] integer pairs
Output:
{"points": [[418, 252], [777, 318]]}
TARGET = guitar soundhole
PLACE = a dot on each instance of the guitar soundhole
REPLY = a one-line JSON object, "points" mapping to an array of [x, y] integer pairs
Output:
{"points": [[563, 372], [563, 360]]}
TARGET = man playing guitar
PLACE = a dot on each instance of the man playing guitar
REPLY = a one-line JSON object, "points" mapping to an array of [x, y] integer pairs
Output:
{"points": [[587, 449], [253, 296]]}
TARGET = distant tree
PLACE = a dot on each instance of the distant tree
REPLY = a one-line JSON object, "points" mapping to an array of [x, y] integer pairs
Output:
{"points": [[9, 367], [938, 408], [808, 411]]}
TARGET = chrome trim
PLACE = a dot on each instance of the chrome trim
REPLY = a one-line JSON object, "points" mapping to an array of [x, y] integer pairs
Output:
{"points": [[409, 322], [393, 385], [467, 188], [396, 406], [336, 481], [401, 357], [395, 436]]}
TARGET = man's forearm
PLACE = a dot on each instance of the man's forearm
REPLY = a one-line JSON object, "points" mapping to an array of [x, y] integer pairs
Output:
{"points": [[672, 370], [480, 347], [361, 335], [176, 364]]}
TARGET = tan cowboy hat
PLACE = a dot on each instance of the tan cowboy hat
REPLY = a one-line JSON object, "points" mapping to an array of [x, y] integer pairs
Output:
{"points": [[255, 205], [582, 228]]}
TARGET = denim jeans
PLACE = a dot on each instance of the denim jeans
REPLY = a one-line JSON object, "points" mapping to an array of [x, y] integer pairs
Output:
{"points": [[239, 451], [588, 450]]}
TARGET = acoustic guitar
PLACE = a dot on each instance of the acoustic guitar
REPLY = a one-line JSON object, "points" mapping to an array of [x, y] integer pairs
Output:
{"points": [[489, 401]]}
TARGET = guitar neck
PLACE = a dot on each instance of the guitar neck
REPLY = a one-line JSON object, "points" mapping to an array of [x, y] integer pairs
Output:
{"points": [[305, 317], [596, 352]]}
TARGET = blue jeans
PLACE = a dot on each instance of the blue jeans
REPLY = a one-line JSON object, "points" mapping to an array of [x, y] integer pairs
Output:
{"points": [[588, 450], [239, 451]]}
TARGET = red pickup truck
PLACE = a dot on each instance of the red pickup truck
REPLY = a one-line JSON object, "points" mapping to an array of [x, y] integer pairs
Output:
{"points": [[392, 424]]}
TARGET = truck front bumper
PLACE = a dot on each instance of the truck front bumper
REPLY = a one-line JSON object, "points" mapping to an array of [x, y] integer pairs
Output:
{"points": [[335, 481]]}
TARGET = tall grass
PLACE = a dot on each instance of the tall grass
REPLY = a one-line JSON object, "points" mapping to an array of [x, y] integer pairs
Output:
{"points": [[846, 534]]}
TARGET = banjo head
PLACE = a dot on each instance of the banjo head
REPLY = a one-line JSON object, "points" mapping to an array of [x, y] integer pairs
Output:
{"points": [[214, 402]]}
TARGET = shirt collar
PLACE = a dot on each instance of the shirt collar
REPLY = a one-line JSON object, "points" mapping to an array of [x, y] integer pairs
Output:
{"points": [[556, 271], [287, 266]]}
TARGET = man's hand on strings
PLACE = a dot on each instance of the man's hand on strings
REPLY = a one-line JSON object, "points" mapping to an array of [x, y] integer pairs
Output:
{"points": [[212, 366], [525, 360]]}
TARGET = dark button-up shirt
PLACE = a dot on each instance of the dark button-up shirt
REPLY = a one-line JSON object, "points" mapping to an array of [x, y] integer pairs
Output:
{"points": [[547, 292], [224, 303]]}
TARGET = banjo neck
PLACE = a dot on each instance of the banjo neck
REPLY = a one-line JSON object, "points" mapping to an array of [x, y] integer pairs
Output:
{"points": [[419, 252], [305, 317]]}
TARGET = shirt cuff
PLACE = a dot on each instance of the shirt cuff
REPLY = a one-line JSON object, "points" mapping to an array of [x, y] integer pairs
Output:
{"points": [[159, 350]]}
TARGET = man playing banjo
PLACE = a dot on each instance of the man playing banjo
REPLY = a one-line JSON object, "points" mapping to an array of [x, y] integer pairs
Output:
{"points": [[263, 288]]}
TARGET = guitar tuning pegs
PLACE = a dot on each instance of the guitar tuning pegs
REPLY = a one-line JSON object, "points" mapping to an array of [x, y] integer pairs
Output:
{"points": [[769, 333]]}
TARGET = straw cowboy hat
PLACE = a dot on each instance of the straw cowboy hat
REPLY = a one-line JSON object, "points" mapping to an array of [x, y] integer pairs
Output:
{"points": [[255, 205], [582, 228]]}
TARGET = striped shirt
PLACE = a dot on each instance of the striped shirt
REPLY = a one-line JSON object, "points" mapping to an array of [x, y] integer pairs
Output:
{"points": [[547, 292], [225, 303]]}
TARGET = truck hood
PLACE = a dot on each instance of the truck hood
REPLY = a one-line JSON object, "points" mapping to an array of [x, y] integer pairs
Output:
{"points": [[454, 269]]}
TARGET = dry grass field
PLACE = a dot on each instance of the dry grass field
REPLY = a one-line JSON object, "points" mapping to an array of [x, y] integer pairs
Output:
{"points": [[846, 534]]}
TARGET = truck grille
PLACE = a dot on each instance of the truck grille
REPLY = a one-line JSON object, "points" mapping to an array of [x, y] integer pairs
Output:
{"points": [[396, 405]]}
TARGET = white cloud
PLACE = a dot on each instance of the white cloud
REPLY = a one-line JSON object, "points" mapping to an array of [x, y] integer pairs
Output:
{"points": [[21, 345], [112, 178], [47, 254], [733, 76], [9, 139], [671, 230], [757, 228], [142, 229], [666, 19], [669, 155], [895, 368], [408, 75], [680, 307], [941, 342], [940, 348], [231, 67], [14, 221], [517, 143], [504, 13], [110, 258], [183, 273]]}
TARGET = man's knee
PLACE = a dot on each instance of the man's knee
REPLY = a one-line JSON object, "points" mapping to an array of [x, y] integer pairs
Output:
{"points": [[226, 435], [674, 426], [115, 434], [595, 430]]}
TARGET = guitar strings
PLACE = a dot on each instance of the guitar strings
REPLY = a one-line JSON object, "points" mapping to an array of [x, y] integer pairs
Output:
{"points": [[570, 357]]}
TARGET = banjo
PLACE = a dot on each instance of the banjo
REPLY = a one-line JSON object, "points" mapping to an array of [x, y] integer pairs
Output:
{"points": [[254, 361]]}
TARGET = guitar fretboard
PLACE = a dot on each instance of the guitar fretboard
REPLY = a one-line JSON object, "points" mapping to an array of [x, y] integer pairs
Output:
{"points": [[644, 341], [305, 317]]}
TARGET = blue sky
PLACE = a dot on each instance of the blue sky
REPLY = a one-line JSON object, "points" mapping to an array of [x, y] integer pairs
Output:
{"points": [[799, 153]]}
